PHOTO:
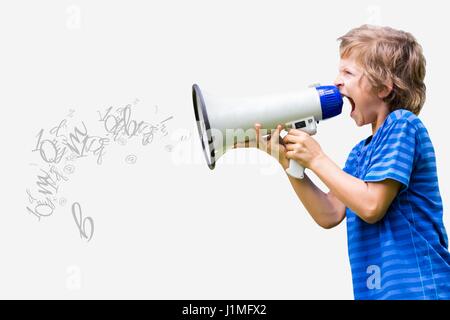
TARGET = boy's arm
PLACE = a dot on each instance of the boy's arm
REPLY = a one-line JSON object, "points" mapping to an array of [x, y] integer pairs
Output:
{"points": [[326, 210], [369, 200]]}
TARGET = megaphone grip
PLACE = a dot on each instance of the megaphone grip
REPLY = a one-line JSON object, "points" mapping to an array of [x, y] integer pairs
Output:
{"points": [[295, 170]]}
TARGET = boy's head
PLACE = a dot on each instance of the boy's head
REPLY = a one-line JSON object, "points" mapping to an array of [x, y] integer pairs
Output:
{"points": [[381, 66]]}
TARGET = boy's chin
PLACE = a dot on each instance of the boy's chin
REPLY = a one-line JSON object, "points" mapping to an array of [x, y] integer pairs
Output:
{"points": [[358, 121]]}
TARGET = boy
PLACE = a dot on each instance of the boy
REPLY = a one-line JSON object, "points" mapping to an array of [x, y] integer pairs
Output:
{"points": [[388, 189]]}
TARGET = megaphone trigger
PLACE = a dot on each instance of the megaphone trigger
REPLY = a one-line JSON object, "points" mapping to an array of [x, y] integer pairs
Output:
{"points": [[283, 133]]}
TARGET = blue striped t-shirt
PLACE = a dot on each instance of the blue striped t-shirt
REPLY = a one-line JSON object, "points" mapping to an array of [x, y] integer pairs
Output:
{"points": [[404, 255]]}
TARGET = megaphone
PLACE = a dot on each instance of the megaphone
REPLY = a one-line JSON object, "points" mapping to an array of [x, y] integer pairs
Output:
{"points": [[223, 122]]}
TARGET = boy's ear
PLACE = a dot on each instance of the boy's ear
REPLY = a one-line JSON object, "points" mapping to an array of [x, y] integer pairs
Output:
{"points": [[386, 90]]}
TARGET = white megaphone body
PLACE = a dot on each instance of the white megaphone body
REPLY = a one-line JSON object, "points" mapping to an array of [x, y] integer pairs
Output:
{"points": [[222, 122]]}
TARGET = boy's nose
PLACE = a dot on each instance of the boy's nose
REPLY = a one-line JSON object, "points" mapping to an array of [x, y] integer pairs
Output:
{"points": [[338, 82]]}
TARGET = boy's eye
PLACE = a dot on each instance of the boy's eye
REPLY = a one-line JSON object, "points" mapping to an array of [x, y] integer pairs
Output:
{"points": [[347, 72]]}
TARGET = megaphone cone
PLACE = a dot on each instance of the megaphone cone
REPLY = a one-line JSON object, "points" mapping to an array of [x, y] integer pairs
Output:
{"points": [[222, 122]]}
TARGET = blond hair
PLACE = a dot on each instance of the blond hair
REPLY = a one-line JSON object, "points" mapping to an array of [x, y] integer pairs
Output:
{"points": [[389, 55]]}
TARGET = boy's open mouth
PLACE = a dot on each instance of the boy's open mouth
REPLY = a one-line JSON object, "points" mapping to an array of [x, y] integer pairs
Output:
{"points": [[352, 103]]}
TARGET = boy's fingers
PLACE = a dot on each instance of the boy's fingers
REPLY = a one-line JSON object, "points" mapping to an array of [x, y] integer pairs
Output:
{"points": [[296, 132], [290, 154], [290, 147], [258, 134], [245, 144], [277, 131], [290, 138], [275, 136]]}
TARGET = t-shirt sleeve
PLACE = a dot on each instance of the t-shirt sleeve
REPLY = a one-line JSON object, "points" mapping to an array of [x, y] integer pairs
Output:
{"points": [[393, 158], [350, 163], [348, 167]]}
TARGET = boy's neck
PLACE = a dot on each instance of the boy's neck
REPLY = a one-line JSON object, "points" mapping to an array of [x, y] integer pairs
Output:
{"points": [[381, 116]]}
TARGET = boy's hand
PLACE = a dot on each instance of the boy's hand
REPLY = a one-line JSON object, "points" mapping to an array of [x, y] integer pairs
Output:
{"points": [[270, 144], [302, 147]]}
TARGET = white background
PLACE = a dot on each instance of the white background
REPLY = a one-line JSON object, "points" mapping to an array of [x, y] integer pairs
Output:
{"points": [[167, 227]]}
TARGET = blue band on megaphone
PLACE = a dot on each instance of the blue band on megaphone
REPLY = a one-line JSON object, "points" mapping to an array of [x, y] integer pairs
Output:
{"points": [[330, 101]]}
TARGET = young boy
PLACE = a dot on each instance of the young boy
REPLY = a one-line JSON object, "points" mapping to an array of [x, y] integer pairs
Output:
{"points": [[388, 189]]}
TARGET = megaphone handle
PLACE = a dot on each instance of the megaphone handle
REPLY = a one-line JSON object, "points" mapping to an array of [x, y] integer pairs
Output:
{"points": [[308, 125], [295, 170]]}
